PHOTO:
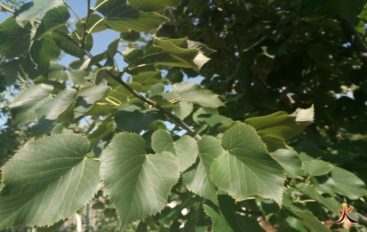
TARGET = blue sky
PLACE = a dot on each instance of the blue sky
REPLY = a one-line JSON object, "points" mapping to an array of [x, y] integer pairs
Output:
{"points": [[101, 39]]}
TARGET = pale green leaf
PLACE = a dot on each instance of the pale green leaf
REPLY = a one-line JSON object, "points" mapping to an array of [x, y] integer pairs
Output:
{"points": [[56, 72], [47, 180], [280, 126], [178, 53], [246, 169], [24, 106], [198, 180], [193, 93], [289, 160], [185, 148], [138, 183], [315, 167], [344, 183], [58, 105], [183, 109]]}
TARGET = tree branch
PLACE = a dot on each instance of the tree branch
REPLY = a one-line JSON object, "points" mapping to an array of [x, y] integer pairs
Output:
{"points": [[170, 116]]}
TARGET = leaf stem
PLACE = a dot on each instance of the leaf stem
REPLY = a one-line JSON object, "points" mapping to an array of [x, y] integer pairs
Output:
{"points": [[99, 5], [94, 25], [6, 8], [170, 116]]}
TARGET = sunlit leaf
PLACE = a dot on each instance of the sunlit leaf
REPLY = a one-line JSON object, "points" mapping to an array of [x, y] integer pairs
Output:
{"points": [[47, 180], [137, 183], [246, 169], [185, 148]]}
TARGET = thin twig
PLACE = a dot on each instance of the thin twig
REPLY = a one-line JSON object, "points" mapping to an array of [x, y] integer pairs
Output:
{"points": [[170, 116], [7, 8], [72, 11]]}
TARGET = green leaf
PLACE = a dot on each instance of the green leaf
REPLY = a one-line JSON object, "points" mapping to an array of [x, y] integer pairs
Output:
{"points": [[37, 10], [275, 128], [137, 183], [152, 5], [56, 72], [219, 223], [87, 97], [237, 221], [183, 109], [43, 51], [146, 80], [344, 183], [53, 19], [329, 202], [24, 106], [305, 216], [123, 18], [290, 161], [58, 105], [10, 70], [315, 167], [193, 93], [78, 77], [212, 118], [180, 53], [131, 118], [15, 40], [246, 169], [47, 180], [198, 179], [63, 41], [185, 148], [116, 9], [103, 130], [145, 22]]}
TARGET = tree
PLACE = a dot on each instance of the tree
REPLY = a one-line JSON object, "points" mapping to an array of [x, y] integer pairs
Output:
{"points": [[172, 154]]}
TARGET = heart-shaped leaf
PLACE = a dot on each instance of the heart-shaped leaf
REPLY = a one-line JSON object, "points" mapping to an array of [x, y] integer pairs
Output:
{"points": [[47, 180], [137, 183]]}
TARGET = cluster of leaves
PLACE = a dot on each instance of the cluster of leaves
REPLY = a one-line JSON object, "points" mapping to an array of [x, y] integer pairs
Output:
{"points": [[220, 166]]}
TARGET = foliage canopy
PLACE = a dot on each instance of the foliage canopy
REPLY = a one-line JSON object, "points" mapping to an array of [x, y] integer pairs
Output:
{"points": [[188, 106]]}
